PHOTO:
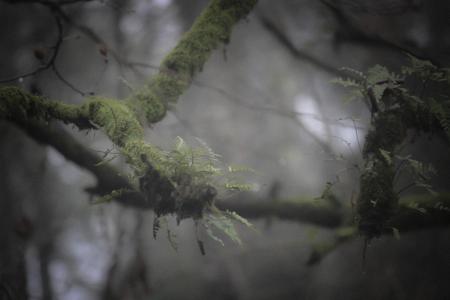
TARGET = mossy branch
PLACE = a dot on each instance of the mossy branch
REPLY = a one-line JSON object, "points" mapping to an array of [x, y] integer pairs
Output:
{"points": [[123, 121], [414, 213], [177, 70], [378, 202]]}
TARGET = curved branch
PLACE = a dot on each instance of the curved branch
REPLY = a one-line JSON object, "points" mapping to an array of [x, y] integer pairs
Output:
{"points": [[122, 120]]}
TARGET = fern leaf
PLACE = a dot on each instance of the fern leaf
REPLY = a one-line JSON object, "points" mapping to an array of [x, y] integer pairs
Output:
{"points": [[212, 235], [233, 215], [240, 169], [156, 227], [386, 155], [225, 225], [346, 82]]}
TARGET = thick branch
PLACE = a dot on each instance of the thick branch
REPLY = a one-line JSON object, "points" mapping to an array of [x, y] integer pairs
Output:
{"points": [[352, 33], [108, 177], [179, 67], [121, 120], [313, 211], [414, 213], [378, 201]]}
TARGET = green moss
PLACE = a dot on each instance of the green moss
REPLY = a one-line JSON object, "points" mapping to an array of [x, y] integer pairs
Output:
{"points": [[117, 119], [168, 87], [210, 29], [427, 201], [146, 105], [13, 103], [17, 104], [138, 153], [120, 120], [388, 132], [378, 201]]}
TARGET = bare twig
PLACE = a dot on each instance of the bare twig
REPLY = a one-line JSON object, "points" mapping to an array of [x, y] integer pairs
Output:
{"points": [[353, 34], [297, 53], [51, 63]]}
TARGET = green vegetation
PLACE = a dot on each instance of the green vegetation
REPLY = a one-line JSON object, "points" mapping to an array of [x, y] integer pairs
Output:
{"points": [[183, 181], [396, 108]]}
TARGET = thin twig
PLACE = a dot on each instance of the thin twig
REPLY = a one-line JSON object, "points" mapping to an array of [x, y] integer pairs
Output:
{"points": [[286, 42], [66, 82], [51, 61]]}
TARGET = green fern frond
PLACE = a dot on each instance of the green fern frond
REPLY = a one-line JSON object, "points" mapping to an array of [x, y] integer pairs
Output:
{"points": [[191, 170], [356, 73], [233, 215], [240, 187], [211, 234], [240, 169], [156, 226], [224, 225], [346, 82], [386, 155], [425, 70], [379, 79], [208, 152], [441, 111]]}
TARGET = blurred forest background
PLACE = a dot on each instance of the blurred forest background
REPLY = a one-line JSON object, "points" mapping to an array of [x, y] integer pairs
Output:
{"points": [[265, 100]]}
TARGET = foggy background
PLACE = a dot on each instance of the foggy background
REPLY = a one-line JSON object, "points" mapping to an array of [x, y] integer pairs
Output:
{"points": [[257, 103]]}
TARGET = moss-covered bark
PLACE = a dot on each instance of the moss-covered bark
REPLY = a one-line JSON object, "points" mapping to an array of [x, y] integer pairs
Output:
{"points": [[378, 201], [123, 120], [210, 29]]}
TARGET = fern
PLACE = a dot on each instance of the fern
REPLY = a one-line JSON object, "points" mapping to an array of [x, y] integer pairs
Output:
{"points": [[354, 73], [356, 88], [425, 70], [387, 156], [224, 225], [156, 226], [379, 79], [420, 172], [395, 108], [211, 234], [233, 215], [442, 113], [191, 170], [222, 221]]}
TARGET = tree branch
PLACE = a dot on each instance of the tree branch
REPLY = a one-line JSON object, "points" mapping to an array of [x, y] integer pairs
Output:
{"points": [[351, 33], [122, 120], [293, 50], [414, 212]]}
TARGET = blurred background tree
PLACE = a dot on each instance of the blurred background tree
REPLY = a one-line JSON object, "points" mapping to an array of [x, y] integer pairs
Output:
{"points": [[263, 100]]}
